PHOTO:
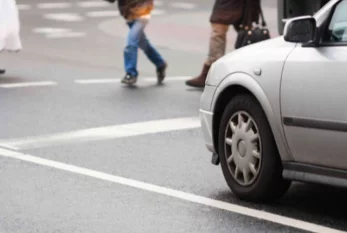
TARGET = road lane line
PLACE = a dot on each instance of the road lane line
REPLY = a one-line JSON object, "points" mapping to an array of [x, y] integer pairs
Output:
{"points": [[117, 80], [158, 12], [28, 84], [254, 213], [96, 81], [54, 5], [91, 4], [183, 5], [8, 147], [104, 133], [66, 17], [23, 7], [59, 35], [99, 14], [51, 30]]}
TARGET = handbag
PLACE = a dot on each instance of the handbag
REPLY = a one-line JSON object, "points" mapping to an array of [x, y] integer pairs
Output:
{"points": [[249, 32]]}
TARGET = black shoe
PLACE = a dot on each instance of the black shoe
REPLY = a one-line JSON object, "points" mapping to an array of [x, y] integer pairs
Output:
{"points": [[161, 73], [129, 79], [2, 71]]}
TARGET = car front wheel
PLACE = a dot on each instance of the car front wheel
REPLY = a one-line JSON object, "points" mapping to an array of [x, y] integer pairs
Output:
{"points": [[249, 157]]}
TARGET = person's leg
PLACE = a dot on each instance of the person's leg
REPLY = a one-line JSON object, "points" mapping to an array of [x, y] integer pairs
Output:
{"points": [[131, 50], [217, 43], [154, 56], [217, 49]]}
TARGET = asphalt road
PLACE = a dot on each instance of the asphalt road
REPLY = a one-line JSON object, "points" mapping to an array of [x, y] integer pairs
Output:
{"points": [[61, 101]]}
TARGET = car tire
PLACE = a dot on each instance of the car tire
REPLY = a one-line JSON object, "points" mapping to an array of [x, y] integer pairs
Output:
{"points": [[267, 183]]}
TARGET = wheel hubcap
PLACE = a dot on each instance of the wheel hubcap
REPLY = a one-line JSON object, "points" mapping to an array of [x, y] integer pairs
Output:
{"points": [[243, 148]]}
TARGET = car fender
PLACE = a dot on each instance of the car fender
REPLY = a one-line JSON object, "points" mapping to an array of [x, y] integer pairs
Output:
{"points": [[248, 82]]}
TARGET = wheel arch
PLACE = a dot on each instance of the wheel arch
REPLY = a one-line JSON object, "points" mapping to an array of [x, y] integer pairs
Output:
{"points": [[241, 83]]}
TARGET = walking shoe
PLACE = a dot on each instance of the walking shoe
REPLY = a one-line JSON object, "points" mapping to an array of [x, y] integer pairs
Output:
{"points": [[201, 79], [161, 73], [129, 79]]}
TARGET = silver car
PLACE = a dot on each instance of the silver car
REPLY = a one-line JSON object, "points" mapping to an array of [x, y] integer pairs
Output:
{"points": [[276, 111]]}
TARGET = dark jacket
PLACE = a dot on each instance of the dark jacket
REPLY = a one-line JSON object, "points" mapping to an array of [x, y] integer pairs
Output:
{"points": [[231, 12], [133, 9]]}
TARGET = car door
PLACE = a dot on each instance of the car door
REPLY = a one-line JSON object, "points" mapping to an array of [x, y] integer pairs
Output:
{"points": [[314, 97]]}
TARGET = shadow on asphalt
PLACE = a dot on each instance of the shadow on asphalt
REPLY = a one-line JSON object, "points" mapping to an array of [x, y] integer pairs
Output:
{"points": [[4, 79], [318, 204], [136, 86], [195, 90]]}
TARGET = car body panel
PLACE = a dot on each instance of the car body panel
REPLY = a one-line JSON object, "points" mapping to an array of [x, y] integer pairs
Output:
{"points": [[207, 97], [262, 55], [301, 88], [223, 75], [314, 92], [258, 68], [270, 111], [206, 119]]}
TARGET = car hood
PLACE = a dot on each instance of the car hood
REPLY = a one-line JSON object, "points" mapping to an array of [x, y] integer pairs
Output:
{"points": [[267, 56]]}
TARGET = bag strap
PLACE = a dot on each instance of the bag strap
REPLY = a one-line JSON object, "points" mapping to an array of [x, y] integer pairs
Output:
{"points": [[242, 22], [263, 22], [247, 16], [247, 20]]}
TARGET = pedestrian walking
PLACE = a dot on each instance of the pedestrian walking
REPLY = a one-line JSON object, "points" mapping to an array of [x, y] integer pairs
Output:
{"points": [[137, 13], [224, 14], [9, 27]]}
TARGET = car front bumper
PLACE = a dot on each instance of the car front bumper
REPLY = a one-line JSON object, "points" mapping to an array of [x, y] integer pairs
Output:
{"points": [[206, 119], [206, 116]]}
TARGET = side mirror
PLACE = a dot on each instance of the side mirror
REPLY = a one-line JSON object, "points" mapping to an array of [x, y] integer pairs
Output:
{"points": [[300, 30]]}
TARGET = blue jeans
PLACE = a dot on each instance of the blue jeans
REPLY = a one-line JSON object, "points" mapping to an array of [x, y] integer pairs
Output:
{"points": [[137, 39]]}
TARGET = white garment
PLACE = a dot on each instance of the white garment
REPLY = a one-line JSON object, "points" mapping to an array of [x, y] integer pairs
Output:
{"points": [[9, 26]]}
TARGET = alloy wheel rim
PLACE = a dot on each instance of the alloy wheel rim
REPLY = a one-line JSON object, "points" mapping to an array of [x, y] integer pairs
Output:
{"points": [[243, 148]]}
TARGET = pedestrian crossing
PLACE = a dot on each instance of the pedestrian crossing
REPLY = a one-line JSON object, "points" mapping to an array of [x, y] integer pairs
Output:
{"points": [[66, 17], [101, 14], [80, 11], [54, 5], [23, 7], [183, 5]]}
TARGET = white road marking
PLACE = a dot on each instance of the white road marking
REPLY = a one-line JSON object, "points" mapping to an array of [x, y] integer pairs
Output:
{"points": [[117, 80], [67, 17], [254, 213], [28, 84], [23, 7], [158, 12], [65, 35], [98, 14], [183, 5], [96, 81], [104, 133], [51, 30], [90, 4], [54, 5], [8, 147], [57, 33]]}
